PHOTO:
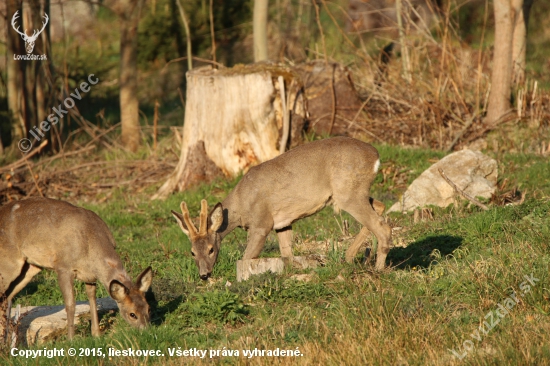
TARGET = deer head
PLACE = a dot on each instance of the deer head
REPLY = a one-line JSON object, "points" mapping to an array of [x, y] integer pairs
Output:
{"points": [[29, 41], [205, 242]]}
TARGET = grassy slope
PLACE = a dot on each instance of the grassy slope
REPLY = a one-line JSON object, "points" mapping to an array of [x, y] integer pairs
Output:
{"points": [[449, 274]]}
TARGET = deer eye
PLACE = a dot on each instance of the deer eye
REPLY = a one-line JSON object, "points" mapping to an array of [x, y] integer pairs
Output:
{"points": [[132, 315], [211, 251], [192, 253]]}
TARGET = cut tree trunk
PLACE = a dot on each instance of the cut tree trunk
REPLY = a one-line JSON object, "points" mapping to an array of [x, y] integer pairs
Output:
{"points": [[233, 120]]}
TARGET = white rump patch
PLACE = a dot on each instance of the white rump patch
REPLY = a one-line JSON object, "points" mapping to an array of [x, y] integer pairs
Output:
{"points": [[376, 165], [15, 207]]}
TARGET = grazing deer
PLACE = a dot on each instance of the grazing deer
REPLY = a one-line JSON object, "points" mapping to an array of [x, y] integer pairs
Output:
{"points": [[294, 185], [39, 233]]}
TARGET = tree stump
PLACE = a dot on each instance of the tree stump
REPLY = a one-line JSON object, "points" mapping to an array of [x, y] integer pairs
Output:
{"points": [[234, 120]]}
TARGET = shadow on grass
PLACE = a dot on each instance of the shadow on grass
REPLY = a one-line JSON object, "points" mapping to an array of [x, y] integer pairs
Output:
{"points": [[170, 293], [417, 254], [158, 313]]}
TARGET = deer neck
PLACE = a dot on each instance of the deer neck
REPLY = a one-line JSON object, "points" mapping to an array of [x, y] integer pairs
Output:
{"points": [[233, 217], [114, 271]]}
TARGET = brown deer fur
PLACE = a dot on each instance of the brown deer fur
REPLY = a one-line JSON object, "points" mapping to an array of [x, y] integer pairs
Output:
{"points": [[39, 233]]}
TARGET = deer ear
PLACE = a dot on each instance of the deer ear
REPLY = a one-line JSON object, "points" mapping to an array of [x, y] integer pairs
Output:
{"points": [[216, 217], [181, 222], [144, 280], [118, 291]]}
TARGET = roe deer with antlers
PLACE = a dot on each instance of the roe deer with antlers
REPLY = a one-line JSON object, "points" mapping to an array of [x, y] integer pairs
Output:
{"points": [[39, 233], [294, 185]]}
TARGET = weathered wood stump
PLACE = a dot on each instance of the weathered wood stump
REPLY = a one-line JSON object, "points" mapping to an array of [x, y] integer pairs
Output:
{"points": [[233, 120], [249, 267]]}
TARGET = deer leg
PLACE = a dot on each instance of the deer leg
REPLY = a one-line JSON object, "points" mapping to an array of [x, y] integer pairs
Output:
{"points": [[363, 235], [285, 241], [90, 291], [384, 241], [256, 242], [354, 247], [66, 283], [11, 273], [28, 271], [365, 214]]}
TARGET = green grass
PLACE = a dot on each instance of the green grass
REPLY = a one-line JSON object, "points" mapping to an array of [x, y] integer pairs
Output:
{"points": [[447, 275]]}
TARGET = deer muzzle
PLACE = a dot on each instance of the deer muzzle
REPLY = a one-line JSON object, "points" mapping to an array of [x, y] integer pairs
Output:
{"points": [[204, 271]]}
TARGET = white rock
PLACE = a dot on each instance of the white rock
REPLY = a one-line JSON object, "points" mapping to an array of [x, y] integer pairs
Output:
{"points": [[472, 171], [38, 324]]}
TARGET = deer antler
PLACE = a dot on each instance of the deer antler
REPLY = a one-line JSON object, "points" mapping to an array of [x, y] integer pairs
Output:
{"points": [[15, 16], [203, 218], [24, 34], [190, 226]]}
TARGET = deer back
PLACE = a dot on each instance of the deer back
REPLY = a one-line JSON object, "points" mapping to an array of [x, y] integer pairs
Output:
{"points": [[55, 234]]}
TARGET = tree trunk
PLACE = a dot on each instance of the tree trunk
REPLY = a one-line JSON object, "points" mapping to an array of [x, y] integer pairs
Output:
{"points": [[260, 29], [15, 75], [129, 104], [233, 118], [187, 34], [43, 68], [32, 17], [48, 95], [519, 42], [26, 79], [501, 78]]}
